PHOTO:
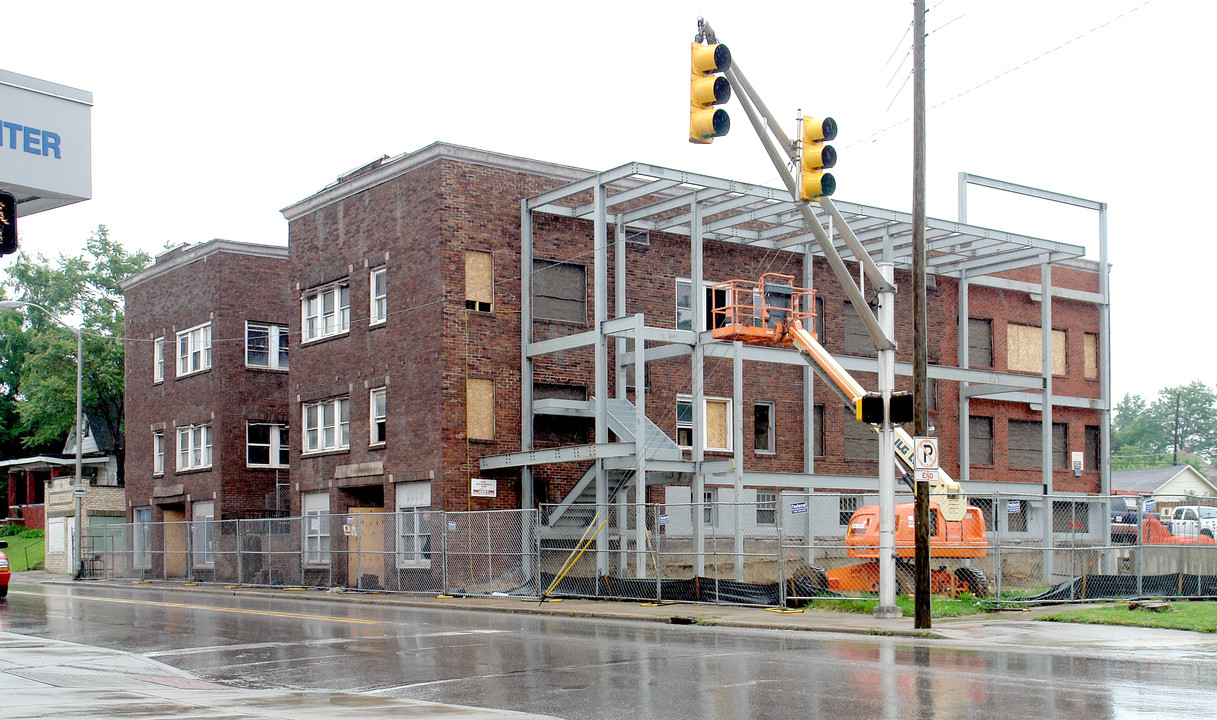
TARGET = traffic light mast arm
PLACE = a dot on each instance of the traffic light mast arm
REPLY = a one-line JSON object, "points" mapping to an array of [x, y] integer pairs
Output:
{"points": [[882, 342]]}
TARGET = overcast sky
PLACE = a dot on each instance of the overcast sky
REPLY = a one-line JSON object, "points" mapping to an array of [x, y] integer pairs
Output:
{"points": [[210, 117]]}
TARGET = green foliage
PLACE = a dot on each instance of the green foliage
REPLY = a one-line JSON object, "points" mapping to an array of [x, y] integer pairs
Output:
{"points": [[1144, 434], [40, 358], [963, 605], [1195, 616], [20, 531], [26, 553]]}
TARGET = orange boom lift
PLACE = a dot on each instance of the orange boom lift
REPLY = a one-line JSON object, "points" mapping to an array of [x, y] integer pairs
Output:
{"points": [[773, 311]]}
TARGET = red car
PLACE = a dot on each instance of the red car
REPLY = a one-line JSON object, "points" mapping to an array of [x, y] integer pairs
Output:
{"points": [[4, 573]]}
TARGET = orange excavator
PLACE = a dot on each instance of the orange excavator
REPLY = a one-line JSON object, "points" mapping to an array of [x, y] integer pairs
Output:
{"points": [[775, 312]]}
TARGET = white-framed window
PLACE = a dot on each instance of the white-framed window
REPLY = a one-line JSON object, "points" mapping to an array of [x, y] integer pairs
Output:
{"points": [[158, 360], [141, 541], [766, 508], [684, 423], [707, 507], [202, 534], [377, 419], [378, 303], [158, 452], [414, 525], [327, 425], [194, 349], [716, 417], [316, 506], [193, 447], [266, 346], [684, 305], [326, 311], [266, 445]]}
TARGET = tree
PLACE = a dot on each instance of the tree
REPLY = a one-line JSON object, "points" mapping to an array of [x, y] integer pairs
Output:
{"points": [[1144, 435], [84, 291]]}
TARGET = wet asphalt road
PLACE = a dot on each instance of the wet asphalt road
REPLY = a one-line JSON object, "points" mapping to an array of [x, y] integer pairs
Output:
{"points": [[586, 668]]}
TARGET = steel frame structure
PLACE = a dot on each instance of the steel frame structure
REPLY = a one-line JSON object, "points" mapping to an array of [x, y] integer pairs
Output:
{"points": [[644, 197]]}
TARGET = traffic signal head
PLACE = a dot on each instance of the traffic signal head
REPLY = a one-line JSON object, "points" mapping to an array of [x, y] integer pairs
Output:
{"points": [[900, 408], [8, 223], [869, 409], [817, 157], [706, 89]]}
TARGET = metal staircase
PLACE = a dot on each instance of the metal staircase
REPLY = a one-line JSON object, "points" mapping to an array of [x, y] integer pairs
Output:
{"points": [[571, 517]]}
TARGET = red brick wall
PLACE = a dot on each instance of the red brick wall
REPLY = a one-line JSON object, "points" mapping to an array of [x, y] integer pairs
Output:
{"points": [[227, 289]]}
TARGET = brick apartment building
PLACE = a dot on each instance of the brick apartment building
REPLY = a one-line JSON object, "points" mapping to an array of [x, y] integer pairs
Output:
{"points": [[458, 315], [206, 385]]}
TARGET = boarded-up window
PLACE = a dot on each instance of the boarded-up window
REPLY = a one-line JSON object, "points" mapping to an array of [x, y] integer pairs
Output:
{"points": [[857, 338], [1025, 444], [564, 429], [559, 291], [479, 281], [479, 408], [818, 430], [1091, 356], [1092, 448], [1023, 349], [860, 442], [718, 424], [980, 440], [980, 343]]}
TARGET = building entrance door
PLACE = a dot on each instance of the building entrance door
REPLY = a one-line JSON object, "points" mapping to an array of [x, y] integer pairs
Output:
{"points": [[369, 548]]}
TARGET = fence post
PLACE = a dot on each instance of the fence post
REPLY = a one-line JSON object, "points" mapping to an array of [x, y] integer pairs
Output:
{"points": [[999, 513], [658, 556], [240, 553], [1140, 545], [781, 556], [443, 540]]}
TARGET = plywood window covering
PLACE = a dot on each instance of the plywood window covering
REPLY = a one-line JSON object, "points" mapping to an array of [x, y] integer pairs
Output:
{"points": [[1025, 444], [559, 291], [860, 442], [718, 424], [1091, 356], [980, 440], [479, 408], [980, 343], [1023, 349], [857, 338], [479, 281]]}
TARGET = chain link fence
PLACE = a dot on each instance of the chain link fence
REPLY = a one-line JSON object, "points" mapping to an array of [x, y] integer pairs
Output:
{"points": [[777, 550]]}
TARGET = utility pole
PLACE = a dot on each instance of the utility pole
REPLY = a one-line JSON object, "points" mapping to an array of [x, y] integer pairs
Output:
{"points": [[921, 415]]}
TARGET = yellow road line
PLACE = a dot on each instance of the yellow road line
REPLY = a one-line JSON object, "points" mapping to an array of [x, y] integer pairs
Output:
{"points": [[186, 606]]}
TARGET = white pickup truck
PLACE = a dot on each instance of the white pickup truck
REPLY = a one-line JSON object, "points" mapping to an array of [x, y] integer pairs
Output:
{"points": [[1192, 520]]}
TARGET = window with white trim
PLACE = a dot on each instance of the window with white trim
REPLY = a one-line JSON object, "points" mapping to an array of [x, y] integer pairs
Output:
{"points": [[158, 360], [327, 425], [377, 420], [193, 447], [766, 508], [266, 445], [202, 534], [194, 349], [325, 311], [141, 541], [266, 346], [684, 424], [716, 417], [378, 304], [158, 452], [414, 525], [762, 427], [316, 507]]}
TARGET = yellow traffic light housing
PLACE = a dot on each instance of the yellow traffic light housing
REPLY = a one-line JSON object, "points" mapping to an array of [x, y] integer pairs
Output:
{"points": [[707, 89], [816, 157]]}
